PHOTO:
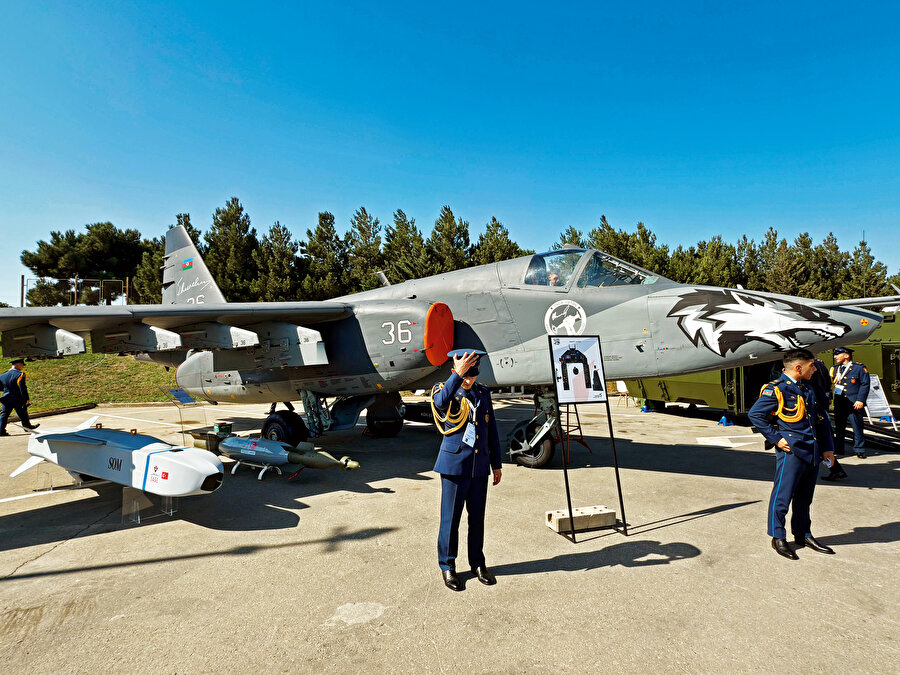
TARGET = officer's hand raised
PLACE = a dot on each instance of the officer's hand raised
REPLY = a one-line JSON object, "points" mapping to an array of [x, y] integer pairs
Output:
{"points": [[461, 364]]}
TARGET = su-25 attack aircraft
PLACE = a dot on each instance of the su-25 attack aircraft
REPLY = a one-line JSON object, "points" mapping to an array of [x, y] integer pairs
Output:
{"points": [[364, 348]]}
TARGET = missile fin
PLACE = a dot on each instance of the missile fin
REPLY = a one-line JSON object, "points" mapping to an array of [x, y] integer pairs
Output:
{"points": [[27, 464]]}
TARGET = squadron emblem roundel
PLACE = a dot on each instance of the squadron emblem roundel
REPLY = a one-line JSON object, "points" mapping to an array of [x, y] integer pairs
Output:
{"points": [[565, 317]]}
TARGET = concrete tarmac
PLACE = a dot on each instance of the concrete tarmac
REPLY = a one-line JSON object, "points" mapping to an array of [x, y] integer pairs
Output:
{"points": [[337, 572]]}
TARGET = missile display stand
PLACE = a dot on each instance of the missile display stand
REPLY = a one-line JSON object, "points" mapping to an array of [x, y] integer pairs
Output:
{"points": [[138, 506], [587, 350], [256, 465]]}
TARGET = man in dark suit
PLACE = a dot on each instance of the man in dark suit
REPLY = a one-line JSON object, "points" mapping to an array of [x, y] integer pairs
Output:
{"points": [[469, 455], [14, 396], [791, 418], [851, 388]]}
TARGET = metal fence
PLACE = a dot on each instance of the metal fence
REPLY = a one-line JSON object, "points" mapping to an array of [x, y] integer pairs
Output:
{"points": [[44, 292]]}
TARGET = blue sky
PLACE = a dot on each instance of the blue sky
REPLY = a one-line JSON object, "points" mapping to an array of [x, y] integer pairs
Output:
{"points": [[696, 118]]}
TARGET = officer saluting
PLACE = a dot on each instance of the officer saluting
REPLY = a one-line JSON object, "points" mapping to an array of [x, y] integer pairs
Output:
{"points": [[470, 452], [851, 388], [14, 396], [791, 418]]}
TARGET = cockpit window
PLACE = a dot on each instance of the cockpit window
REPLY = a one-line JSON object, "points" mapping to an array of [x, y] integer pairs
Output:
{"points": [[553, 269], [604, 270]]}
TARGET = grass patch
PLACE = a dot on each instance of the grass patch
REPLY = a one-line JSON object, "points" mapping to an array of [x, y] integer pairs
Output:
{"points": [[95, 378]]}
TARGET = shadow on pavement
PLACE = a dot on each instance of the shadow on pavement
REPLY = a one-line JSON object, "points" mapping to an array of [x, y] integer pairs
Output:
{"points": [[331, 544], [883, 534], [628, 554]]}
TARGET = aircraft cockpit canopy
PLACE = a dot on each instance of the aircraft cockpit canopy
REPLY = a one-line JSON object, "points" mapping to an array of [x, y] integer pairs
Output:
{"points": [[557, 268], [554, 268], [604, 270]]}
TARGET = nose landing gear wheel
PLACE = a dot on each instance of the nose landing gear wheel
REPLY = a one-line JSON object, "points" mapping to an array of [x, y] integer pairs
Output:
{"points": [[521, 450]]}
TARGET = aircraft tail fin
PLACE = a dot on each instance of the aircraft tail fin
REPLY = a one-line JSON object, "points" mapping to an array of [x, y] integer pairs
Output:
{"points": [[30, 462], [186, 279]]}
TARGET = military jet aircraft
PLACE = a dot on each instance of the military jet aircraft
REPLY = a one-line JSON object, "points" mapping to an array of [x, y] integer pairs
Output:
{"points": [[363, 349]]}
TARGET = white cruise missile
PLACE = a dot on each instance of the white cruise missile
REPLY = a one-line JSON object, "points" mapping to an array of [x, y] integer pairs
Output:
{"points": [[133, 460]]}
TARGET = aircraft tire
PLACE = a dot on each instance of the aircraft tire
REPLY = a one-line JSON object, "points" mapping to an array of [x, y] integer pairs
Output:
{"points": [[285, 426], [388, 428], [538, 456]]}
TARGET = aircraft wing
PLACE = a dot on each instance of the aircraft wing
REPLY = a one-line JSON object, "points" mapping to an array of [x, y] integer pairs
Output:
{"points": [[40, 332]]}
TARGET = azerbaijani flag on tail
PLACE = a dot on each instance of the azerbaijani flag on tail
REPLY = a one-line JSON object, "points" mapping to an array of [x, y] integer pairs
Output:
{"points": [[187, 264]]}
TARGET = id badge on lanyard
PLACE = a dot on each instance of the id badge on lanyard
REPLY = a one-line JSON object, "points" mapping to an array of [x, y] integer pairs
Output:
{"points": [[469, 433]]}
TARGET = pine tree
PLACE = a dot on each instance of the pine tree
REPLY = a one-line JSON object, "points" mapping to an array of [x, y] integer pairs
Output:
{"points": [[609, 240], [681, 264], [280, 268], [495, 245], [364, 252], [404, 250], [326, 254], [780, 277], [751, 275], [448, 246], [716, 264], [807, 274], [571, 235], [230, 245], [644, 251], [867, 276], [832, 264]]}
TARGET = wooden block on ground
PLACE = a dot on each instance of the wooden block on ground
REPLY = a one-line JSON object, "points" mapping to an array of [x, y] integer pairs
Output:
{"points": [[585, 517]]}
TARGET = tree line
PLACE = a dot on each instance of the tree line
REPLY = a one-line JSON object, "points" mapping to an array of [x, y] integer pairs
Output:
{"points": [[278, 267]]}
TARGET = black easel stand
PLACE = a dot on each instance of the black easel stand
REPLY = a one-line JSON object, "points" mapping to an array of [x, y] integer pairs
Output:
{"points": [[621, 525]]}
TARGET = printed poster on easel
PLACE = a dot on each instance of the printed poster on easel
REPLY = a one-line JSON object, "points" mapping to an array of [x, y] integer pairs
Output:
{"points": [[578, 369]]}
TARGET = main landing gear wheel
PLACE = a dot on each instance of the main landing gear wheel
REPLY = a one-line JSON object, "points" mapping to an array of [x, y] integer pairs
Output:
{"points": [[384, 416], [523, 452], [285, 426]]}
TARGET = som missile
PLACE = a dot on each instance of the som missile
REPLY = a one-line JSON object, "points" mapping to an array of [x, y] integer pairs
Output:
{"points": [[271, 453], [133, 460]]}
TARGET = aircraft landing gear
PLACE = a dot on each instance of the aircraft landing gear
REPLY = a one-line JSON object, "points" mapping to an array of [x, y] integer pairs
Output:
{"points": [[384, 417], [532, 442], [285, 426]]}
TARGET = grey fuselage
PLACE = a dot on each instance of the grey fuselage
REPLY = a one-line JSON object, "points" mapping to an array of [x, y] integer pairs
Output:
{"points": [[648, 326]]}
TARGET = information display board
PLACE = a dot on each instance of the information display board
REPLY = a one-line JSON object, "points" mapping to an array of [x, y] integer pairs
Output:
{"points": [[876, 402], [577, 364]]}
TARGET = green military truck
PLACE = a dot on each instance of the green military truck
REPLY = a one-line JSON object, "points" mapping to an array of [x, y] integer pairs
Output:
{"points": [[736, 389]]}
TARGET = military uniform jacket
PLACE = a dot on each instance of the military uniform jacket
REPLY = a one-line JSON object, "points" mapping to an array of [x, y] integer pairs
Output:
{"points": [[15, 393], [854, 379], [800, 434], [455, 457]]}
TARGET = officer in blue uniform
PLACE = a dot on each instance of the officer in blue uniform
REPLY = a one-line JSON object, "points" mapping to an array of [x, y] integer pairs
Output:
{"points": [[14, 396], [469, 454], [821, 385], [851, 388], [790, 417]]}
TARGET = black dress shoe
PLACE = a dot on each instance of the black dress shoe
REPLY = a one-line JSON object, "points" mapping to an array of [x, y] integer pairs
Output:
{"points": [[861, 455], [809, 542], [452, 581], [835, 475], [32, 427], [484, 575], [782, 548]]}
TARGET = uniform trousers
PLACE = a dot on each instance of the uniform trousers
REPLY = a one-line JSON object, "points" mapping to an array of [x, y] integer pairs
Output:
{"points": [[843, 411], [795, 481], [457, 491], [21, 411]]}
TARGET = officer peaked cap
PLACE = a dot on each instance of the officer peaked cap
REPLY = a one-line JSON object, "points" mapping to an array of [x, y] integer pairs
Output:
{"points": [[843, 350]]}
